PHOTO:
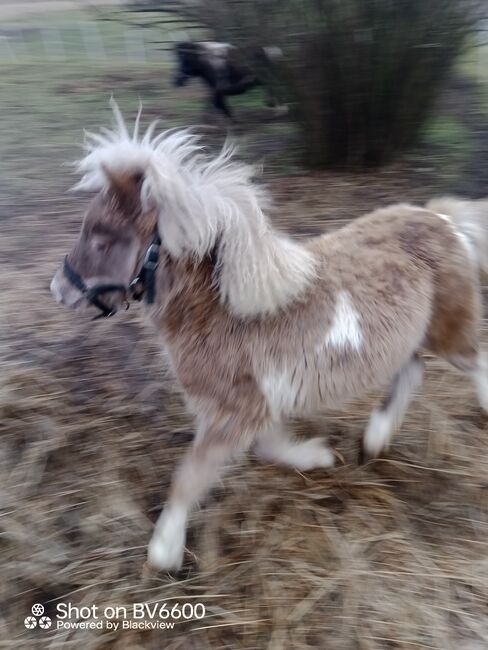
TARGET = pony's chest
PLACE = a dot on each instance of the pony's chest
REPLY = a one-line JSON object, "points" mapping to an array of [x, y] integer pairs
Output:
{"points": [[208, 357]]}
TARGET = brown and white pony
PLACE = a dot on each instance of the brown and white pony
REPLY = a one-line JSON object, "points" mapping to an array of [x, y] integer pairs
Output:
{"points": [[260, 327]]}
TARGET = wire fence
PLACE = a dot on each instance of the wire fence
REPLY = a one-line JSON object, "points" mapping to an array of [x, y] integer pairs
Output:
{"points": [[93, 42], [100, 42]]}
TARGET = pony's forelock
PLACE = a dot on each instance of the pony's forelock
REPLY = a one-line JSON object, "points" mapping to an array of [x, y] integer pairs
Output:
{"points": [[120, 150]]}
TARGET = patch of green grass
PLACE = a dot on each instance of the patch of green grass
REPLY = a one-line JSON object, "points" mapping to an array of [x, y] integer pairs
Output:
{"points": [[448, 145], [474, 65], [449, 133], [253, 99]]}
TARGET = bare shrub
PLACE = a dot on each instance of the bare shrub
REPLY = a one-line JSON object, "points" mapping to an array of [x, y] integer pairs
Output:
{"points": [[362, 75]]}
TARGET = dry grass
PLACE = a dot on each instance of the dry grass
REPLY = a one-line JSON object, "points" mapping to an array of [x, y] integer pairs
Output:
{"points": [[391, 555]]}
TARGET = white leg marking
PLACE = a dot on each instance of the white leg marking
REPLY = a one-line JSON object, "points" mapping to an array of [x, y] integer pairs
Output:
{"points": [[199, 470], [379, 432], [383, 422], [277, 446], [167, 544]]}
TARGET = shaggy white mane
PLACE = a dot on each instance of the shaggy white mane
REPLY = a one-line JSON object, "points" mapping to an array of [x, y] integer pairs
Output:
{"points": [[202, 202]]}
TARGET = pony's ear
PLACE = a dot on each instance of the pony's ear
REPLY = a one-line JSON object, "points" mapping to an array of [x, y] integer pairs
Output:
{"points": [[126, 185]]}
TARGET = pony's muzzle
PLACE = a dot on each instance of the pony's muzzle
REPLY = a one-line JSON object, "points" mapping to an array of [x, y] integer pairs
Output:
{"points": [[64, 293]]}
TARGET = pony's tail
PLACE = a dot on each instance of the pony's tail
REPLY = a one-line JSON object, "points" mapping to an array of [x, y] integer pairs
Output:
{"points": [[471, 218]]}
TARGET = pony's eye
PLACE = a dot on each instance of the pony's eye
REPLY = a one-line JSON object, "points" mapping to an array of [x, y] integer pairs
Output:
{"points": [[102, 245]]}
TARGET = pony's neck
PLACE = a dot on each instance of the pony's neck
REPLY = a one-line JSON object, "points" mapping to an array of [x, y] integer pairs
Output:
{"points": [[258, 270]]}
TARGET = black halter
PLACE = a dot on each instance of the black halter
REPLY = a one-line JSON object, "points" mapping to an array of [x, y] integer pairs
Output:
{"points": [[143, 283]]}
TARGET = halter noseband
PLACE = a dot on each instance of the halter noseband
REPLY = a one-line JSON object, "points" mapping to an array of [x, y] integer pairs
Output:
{"points": [[143, 283]]}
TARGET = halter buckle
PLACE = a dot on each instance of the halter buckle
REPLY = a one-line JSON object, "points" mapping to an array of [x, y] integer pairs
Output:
{"points": [[151, 259]]}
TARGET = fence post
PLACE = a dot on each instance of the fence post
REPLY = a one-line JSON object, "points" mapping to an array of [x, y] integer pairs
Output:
{"points": [[9, 51], [92, 41], [53, 43], [135, 46]]}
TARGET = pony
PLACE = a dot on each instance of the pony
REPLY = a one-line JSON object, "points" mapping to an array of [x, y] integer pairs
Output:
{"points": [[259, 327], [221, 67]]}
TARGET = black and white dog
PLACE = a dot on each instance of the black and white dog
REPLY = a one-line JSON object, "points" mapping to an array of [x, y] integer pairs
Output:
{"points": [[218, 66]]}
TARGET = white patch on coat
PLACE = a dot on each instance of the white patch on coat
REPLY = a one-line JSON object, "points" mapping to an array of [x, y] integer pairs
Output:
{"points": [[279, 393], [345, 329], [460, 235], [216, 48], [273, 52], [216, 53]]}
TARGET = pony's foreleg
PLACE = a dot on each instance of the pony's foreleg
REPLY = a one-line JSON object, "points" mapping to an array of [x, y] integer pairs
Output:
{"points": [[276, 445], [200, 469], [384, 421]]}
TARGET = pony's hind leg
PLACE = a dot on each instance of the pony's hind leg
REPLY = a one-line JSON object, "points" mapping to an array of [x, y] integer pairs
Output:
{"points": [[475, 366], [454, 331], [454, 335], [276, 445], [385, 420]]}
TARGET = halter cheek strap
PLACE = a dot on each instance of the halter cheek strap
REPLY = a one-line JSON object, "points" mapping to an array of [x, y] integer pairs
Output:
{"points": [[145, 280], [92, 294]]}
